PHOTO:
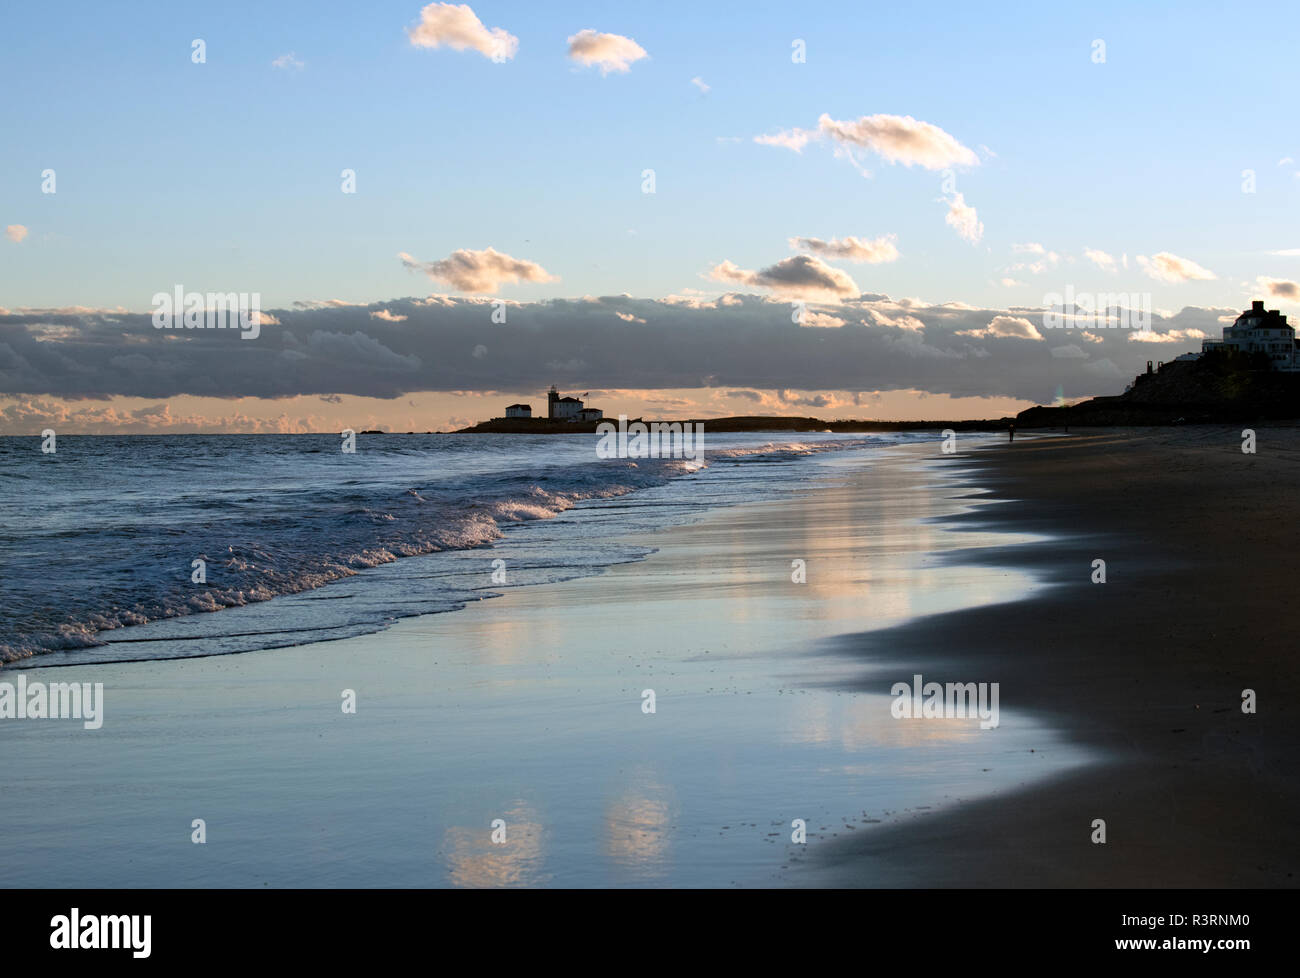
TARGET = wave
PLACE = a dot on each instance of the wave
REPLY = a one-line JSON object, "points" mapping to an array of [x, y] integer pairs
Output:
{"points": [[129, 548]]}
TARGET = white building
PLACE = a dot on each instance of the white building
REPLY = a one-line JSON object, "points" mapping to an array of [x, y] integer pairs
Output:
{"points": [[562, 408], [1258, 330], [519, 411]]}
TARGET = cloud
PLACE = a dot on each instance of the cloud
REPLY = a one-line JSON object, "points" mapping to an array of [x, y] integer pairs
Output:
{"points": [[479, 271], [797, 275], [1045, 258], [15, 232], [1006, 327], [900, 139], [1100, 259], [1287, 253], [875, 252], [740, 340], [1010, 282], [1069, 352], [795, 139], [1277, 288], [287, 62], [1170, 268], [388, 317], [894, 138], [699, 83], [963, 217], [901, 321], [609, 52], [458, 27], [1184, 336], [820, 320]]}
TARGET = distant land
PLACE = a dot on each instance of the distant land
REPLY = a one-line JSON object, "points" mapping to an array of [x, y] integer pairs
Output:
{"points": [[545, 426], [1220, 387]]}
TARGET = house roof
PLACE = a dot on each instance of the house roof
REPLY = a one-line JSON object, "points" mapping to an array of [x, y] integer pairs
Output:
{"points": [[527, 407], [1257, 317]]}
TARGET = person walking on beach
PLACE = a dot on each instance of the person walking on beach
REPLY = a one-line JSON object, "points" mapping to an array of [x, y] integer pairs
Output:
{"points": [[1011, 432]]}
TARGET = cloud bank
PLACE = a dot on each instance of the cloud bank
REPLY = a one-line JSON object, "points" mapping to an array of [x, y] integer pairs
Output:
{"points": [[866, 342]]}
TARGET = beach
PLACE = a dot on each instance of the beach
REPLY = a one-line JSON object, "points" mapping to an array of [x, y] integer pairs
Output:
{"points": [[672, 720], [1146, 670]]}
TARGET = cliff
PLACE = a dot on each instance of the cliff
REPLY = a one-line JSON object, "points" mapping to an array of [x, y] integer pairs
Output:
{"points": [[1220, 387]]}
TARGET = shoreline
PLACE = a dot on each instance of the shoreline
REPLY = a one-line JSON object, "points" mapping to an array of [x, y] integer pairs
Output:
{"points": [[772, 702], [529, 708], [1147, 670]]}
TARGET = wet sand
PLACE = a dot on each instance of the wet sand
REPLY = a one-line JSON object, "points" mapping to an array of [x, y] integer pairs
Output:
{"points": [[1200, 543], [529, 708]]}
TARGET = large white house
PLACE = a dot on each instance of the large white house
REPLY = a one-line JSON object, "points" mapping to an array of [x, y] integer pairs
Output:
{"points": [[569, 408], [1258, 330]]}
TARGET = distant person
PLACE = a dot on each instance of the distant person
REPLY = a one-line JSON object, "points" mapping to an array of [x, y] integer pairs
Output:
{"points": [[1011, 432]]}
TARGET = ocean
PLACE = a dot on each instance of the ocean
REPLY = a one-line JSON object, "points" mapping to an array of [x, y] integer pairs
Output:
{"points": [[154, 547]]}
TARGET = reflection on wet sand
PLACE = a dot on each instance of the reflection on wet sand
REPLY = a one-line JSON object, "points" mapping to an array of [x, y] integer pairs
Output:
{"points": [[864, 722], [636, 828], [475, 861]]}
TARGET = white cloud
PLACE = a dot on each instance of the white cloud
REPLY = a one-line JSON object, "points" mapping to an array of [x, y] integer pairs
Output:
{"points": [[458, 27], [479, 271], [894, 138], [1005, 327], [387, 316], [794, 139], [963, 217], [901, 321], [288, 61], [1168, 336], [15, 232], [1100, 259], [609, 52], [1166, 267], [900, 139], [875, 252], [699, 83]]}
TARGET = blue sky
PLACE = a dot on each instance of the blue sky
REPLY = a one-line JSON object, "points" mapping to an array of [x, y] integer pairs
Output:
{"points": [[226, 175]]}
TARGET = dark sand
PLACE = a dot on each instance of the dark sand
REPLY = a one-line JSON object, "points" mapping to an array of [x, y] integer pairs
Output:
{"points": [[1201, 543]]}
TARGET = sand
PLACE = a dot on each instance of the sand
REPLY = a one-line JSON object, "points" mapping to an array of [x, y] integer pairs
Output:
{"points": [[1200, 543], [529, 708], [1119, 701]]}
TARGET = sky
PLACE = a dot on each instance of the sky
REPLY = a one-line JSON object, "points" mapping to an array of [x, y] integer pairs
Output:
{"points": [[646, 189]]}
